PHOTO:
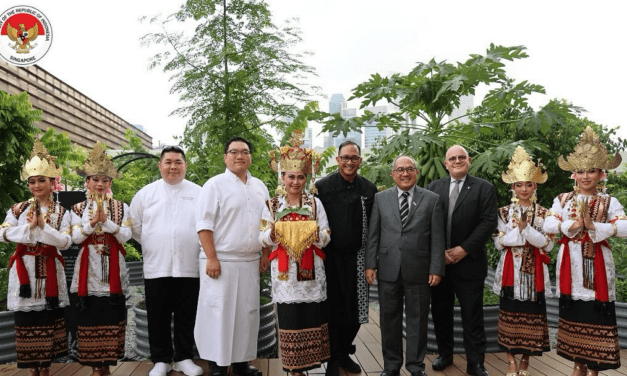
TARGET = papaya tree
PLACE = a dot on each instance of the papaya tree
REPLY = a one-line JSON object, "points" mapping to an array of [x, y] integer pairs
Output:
{"points": [[428, 94]]}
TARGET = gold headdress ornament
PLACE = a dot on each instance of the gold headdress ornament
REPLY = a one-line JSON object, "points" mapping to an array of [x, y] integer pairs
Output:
{"points": [[98, 163], [41, 163], [589, 153], [294, 158], [522, 168]]}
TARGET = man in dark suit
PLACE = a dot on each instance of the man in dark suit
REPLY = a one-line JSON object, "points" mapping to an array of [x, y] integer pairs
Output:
{"points": [[470, 219], [406, 249]]}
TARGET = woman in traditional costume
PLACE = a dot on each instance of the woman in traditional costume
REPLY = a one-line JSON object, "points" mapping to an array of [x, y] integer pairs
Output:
{"points": [[522, 276], [100, 279], [295, 224], [587, 333], [37, 291]]}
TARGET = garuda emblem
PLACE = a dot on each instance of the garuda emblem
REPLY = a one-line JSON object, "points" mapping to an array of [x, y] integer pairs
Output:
{"points": [[23, 37]]}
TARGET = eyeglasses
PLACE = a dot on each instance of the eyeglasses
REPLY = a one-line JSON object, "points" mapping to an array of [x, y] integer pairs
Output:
{"points": [[460, 158], [409, 170], [235, 153], [346, 158]]}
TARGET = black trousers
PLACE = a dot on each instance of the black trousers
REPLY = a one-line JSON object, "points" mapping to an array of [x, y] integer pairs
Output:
{"points": [[341, 273], [416, 299], [166, 297], [470, 296]]}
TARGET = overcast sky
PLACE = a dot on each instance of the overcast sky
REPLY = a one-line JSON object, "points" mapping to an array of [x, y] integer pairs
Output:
{"points": [[576, 48]]}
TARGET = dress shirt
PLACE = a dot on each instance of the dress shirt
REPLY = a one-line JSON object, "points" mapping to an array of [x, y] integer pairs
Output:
{"points": [[164, 222], [232, 210], [461, 184], [400, 196]]}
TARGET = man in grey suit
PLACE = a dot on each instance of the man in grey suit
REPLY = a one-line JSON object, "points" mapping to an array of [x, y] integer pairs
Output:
{"points": [[406, 249]]}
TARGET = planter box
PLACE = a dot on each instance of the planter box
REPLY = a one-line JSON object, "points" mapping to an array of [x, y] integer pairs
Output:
{"points": [[7, 337], [266, 342], [135, 273]]}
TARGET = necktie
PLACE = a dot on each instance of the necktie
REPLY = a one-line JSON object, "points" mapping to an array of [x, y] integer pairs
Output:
{"points": [[452, 198], [404, 207]]}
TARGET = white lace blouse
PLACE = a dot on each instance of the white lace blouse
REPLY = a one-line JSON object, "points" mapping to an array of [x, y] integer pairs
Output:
{"points": [[602, 231], [510, 236], [18, 230], [292, 290], [95, 285]]}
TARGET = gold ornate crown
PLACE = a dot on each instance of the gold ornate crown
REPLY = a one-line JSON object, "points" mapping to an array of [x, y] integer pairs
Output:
{"points": [[98, 163], [522, 168], [41, 163], [295, 158], [589, 153]]}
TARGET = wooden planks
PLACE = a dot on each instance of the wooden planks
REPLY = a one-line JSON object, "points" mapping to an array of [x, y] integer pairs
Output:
{"points": [[369, 355]]}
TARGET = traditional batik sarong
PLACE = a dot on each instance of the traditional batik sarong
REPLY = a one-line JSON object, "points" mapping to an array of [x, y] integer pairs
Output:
{"points": [[303, 336], [101, 332], [40, 337], [588, 333], [522, 327]]}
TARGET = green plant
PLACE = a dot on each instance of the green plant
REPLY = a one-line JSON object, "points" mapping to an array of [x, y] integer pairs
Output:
{"points": [[16, 127], [131, 253], [6, 250]]}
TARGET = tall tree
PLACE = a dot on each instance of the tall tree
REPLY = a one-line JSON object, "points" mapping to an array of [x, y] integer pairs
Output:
{"points": [[235, 74]]}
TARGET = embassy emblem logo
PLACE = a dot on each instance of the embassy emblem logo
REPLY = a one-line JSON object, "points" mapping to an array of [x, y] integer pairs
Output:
{"points": [[25, 35]]}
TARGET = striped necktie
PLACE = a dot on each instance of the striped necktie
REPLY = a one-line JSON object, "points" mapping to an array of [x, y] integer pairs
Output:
{"points": [[452, 198], [404, 207]]}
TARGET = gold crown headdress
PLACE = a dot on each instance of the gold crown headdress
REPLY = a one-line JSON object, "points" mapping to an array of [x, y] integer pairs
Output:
{"points": [[98, 163], [41, 163], [589, 153], [522, 168], [294, 158]]}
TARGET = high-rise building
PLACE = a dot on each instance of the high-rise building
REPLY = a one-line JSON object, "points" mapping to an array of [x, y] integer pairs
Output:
{"points": [[354, 136], [372, 134], [466, 103], [308, 137], [337, 104]]}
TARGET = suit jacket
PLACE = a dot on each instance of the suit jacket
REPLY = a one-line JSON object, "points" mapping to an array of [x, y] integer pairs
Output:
{"points": [[474, 221], [415, 249]]}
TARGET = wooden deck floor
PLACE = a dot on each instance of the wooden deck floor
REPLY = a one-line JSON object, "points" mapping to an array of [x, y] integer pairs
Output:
{"points": [[368, 355]]}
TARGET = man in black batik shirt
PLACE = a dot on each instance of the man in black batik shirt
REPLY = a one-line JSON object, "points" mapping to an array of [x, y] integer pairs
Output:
{"points": [[347, 199]]}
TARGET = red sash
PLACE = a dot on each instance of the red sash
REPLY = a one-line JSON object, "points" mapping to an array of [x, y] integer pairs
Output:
{"points": [[306, 263], [115, 284], [507, 281], [601, 293], [50, 254]]}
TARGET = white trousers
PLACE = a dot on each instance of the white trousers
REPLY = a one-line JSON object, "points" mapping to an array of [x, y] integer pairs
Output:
{"points": [[227, 320]]}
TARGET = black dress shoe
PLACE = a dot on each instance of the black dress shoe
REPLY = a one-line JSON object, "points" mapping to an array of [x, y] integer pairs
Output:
{"points": [[245, 369], [419, 373], [218, 371], [390, 373], [442, 362], [476, 369], [333, 368], [349, 364]]}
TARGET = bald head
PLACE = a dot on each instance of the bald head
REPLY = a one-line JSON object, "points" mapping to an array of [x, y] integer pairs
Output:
{"points": [[457, 161]]}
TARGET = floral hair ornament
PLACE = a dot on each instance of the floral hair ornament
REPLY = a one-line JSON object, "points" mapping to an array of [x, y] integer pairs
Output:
{"points": [[589, 153], [41, 163], [293, 157]]}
